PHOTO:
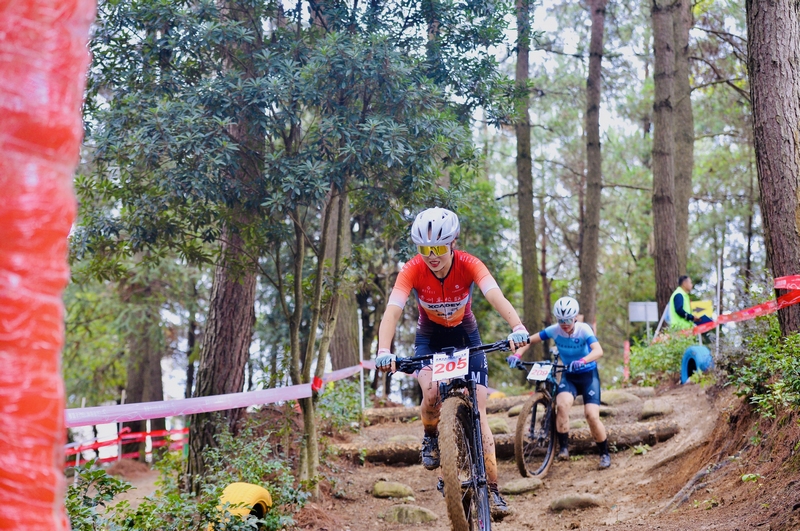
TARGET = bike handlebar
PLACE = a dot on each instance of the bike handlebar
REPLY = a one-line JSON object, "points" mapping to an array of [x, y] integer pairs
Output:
{"points": [[524, 365], [414, 363]]}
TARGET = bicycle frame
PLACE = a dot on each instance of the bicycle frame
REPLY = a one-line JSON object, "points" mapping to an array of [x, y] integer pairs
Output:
{"points": [[455, 388]]}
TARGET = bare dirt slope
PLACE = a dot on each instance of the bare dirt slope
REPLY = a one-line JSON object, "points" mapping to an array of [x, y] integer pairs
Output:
{"points": [[627, 488], [692, 481]]}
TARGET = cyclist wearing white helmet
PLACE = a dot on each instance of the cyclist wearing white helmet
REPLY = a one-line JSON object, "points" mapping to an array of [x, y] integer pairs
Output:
{"points": [[579, 351], [442, 278]]}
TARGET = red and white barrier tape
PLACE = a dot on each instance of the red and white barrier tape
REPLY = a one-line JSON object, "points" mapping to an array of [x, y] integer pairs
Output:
{"points": [[765, 308], [189, 406], [124, 438]]}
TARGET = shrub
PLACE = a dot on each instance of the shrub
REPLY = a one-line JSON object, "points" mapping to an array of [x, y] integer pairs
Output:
{"points": [[339, 407], [247, 457], [770, 373], [653, 363]]}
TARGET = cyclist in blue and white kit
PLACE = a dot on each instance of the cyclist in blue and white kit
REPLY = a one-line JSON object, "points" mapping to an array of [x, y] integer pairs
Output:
{"points": [[579, 351]]}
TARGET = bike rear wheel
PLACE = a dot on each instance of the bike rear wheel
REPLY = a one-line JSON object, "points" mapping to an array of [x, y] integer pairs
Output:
{"points": [[467, 502], [535, 437]]}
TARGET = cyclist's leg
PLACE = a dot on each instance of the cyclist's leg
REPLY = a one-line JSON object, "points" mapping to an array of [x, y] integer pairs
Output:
{"points": [[590, 390], [564, 400], [430, 406]]}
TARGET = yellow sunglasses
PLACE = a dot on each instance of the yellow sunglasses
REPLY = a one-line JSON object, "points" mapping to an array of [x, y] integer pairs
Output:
{"points": [[437, 250]]}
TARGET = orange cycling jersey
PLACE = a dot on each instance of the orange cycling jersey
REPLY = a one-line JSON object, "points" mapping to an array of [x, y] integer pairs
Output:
{"points": [[444, 301]]}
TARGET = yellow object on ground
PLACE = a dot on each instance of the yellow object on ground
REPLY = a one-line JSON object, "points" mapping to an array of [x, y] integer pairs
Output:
{"points": [[700, 308], [251, 499], [497, 394]]}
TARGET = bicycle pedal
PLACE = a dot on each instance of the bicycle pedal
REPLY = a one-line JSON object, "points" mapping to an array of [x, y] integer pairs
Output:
{"points": [[440, 486]]}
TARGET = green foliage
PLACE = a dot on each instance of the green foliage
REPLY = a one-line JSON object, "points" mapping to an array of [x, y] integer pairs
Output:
{"points": [[339, 407], [89, 496], [651, 364], [749, 478], [247, 457], [770, 373], [641, 449], [703, 379]]}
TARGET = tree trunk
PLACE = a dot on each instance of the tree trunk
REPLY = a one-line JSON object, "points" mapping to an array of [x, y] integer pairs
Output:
{"points": [[773, 46], [684, 129], [145, 343], [191, 342], [666, 253], [532, 296], [344, 344], [594, 173], [231, 313], [226, 346]]}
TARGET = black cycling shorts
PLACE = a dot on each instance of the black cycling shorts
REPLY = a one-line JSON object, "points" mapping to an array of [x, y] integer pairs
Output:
{"points": [[458, 337], [586, 384]]}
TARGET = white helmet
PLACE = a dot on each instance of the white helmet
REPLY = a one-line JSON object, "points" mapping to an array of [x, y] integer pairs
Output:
{"points": [[435, 226], [566, 308]]}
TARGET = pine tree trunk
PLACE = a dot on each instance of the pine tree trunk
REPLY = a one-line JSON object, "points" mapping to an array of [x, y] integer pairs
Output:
{"points": [[666, 253], [145, 346], [684, 129], [226, 345], [594, 173], [773, 45], [344, 344], [231, 313], [531, 293]]}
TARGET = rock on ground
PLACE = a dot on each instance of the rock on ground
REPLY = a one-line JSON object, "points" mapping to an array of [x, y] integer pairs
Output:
{"points": [[498, 425], [409, 514], [521, 486], [391, 489]]}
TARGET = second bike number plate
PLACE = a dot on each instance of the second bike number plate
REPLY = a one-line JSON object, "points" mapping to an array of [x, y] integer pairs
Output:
{"points": [[539, 372], [446, 367]]}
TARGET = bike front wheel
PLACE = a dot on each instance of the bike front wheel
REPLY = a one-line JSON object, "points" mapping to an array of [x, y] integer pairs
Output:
{"points": [[535, 437], [467, 501]]}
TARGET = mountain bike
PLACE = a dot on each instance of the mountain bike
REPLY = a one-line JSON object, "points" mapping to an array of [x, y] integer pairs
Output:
{"points": [[535, 436], [463, 481]]}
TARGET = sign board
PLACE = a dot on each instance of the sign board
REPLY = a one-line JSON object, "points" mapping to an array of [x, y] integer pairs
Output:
{"points": [[700, 308], [643, 312]]}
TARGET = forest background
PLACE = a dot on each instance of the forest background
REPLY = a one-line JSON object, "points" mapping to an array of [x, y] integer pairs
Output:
{"points": [[250, 171]]}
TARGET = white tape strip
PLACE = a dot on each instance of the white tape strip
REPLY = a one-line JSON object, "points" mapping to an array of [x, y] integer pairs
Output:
{"points": [[172, 408]]}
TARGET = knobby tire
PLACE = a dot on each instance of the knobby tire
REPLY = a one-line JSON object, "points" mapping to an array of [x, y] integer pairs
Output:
{"points": [[535, 454], [468, 508]]}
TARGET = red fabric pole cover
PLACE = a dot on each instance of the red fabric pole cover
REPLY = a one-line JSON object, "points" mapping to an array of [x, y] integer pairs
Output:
{"points": [[43, 61]]}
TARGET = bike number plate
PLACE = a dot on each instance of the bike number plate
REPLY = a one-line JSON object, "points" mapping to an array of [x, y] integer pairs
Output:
{"points": [[446, 367], [539, 372]]}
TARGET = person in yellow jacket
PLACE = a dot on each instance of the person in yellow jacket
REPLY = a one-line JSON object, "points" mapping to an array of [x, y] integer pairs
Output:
{"points": [[680, 308]]}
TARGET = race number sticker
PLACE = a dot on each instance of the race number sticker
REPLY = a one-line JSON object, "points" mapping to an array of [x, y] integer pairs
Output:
{"points": [[539, 372], [446, 367]]}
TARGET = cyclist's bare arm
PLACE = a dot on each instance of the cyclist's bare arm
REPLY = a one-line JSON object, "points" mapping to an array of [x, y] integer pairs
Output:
{"points": [[388, 325], [595, 353], [501, 305]]}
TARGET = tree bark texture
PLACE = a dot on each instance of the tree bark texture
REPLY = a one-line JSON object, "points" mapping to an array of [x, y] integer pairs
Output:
{"points": [[226, 345], [344, 344], [773, 45], [684, 129], [145, 347], [231, 314], [666, 253], [531, 293], [594, 171]]}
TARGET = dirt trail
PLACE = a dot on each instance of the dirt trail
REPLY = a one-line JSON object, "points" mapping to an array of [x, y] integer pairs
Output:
{"points": [[627, 488], [635, 491]]}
